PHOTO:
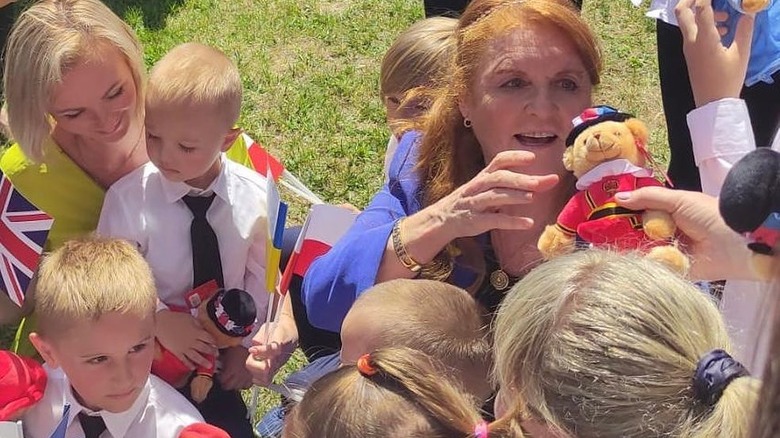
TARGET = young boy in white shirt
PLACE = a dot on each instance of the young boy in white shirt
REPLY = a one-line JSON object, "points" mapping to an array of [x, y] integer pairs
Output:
{"points": [[193, 100], [95, 302]]}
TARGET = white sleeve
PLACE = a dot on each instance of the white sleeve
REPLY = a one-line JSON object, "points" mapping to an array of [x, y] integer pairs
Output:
{"points": [[122, 219], [111, 215], [721, 134]]}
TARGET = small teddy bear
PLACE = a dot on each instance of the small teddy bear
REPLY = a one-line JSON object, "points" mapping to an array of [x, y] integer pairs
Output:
{"points": [[607, 152], [750, 205], [228, 316], [22, 384]]}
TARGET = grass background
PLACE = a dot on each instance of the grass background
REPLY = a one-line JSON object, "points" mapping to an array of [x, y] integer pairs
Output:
{"points": [[310, 71]]}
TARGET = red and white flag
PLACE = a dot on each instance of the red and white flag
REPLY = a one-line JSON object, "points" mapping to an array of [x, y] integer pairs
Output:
{"points": [[265, 163], [323, 228]]}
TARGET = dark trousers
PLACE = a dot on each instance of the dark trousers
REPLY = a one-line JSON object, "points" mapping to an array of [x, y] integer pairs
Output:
{"points": [[224, 409], [763, 102], [449, 8]]}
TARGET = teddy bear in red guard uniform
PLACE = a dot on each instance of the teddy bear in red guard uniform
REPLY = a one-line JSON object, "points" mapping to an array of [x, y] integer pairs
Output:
{"points": [[228, 316], [607, 152]]}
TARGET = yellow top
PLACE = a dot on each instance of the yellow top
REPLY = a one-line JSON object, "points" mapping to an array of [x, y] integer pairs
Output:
{"points": [[64, 191]]}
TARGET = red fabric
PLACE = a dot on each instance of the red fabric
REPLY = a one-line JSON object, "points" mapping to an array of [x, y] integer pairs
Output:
{"points": [[203, 430], [169, 368], [301, 260], [262, 160], [620, 231], [22, 384]]}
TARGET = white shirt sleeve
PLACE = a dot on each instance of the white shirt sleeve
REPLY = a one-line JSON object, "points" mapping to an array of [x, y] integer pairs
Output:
{"points": [[115, 221], [721, 134]]}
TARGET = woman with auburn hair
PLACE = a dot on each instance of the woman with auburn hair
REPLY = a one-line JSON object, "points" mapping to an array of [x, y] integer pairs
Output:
{"points": [[471, 190], [615, 345]]}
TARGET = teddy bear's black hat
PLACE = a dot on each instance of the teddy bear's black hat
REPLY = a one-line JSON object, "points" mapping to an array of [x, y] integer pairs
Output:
{"points": [[233, 312], [751, 191], [593, 116]]}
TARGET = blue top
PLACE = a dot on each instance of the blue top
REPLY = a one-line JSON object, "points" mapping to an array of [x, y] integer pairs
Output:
{"points": [[334, 281], [765, 50]]}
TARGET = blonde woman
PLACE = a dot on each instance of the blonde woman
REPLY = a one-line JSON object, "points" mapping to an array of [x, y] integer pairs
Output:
{"points": [[601, 344], [74, 89]]}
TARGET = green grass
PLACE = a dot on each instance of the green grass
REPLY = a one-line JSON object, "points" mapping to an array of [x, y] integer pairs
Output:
{"points": [[310, 71]]}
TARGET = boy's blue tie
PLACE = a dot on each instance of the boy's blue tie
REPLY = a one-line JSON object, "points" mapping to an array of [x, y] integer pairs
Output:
{"points": [[93, 425], [206, 263]]}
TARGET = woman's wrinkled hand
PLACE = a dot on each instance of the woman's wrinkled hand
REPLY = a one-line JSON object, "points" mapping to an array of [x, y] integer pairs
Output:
{"points": [[478, 206]]}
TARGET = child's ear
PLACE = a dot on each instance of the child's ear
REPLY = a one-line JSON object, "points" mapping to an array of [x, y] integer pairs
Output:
{"points": [[230, 138], [44, 349]]}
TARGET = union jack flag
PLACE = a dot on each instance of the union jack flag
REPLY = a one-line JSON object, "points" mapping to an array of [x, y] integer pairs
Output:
{"points": [[23, 231]]}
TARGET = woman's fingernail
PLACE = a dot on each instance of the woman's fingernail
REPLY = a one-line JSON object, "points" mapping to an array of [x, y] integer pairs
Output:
{"points": [[623, 196]]}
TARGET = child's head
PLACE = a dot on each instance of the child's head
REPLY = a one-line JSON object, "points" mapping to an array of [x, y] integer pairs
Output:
{"points": [[436, 318], [95, 302], [49, 40], [193, 101], [608, 345], [394, 392], [416, 58]]}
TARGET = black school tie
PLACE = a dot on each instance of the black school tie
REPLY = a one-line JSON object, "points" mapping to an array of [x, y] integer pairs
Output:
{"points": [[93, 425], [206, 264]]}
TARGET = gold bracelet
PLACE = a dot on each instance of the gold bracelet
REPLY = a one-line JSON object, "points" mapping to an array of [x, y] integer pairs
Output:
{"points": [[400, 250]]}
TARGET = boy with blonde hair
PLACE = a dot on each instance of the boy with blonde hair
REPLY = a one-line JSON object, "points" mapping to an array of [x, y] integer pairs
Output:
{"points": [[194, 215], [95, 302]]}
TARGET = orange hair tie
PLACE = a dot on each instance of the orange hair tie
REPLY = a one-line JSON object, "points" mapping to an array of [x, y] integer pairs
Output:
{"points": [[364, 366]]}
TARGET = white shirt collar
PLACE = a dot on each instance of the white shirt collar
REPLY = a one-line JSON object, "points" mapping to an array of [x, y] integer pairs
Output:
{"points": [[174, 191], [611, 168], [118, 423]]}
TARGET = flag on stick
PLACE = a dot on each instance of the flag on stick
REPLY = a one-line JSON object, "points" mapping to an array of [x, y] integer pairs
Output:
{"points": [[277, 216], [266, 164], [324, 226], [23, 232]]}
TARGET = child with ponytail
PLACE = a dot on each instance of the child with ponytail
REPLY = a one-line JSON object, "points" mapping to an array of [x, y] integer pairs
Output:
{"points": [[392, 392], [600, 344]]}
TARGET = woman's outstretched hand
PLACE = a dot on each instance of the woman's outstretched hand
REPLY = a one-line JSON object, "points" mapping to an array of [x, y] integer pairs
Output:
{"points": [[476, 207], [716, 252]]}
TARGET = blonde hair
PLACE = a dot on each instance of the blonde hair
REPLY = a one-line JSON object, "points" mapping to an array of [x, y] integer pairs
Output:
{"points": [[196, 74], [601, 344], [49, 38], [450, 154], [436, 318], [418, 56], [408, 396], [89, 277], [767, 420]]}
